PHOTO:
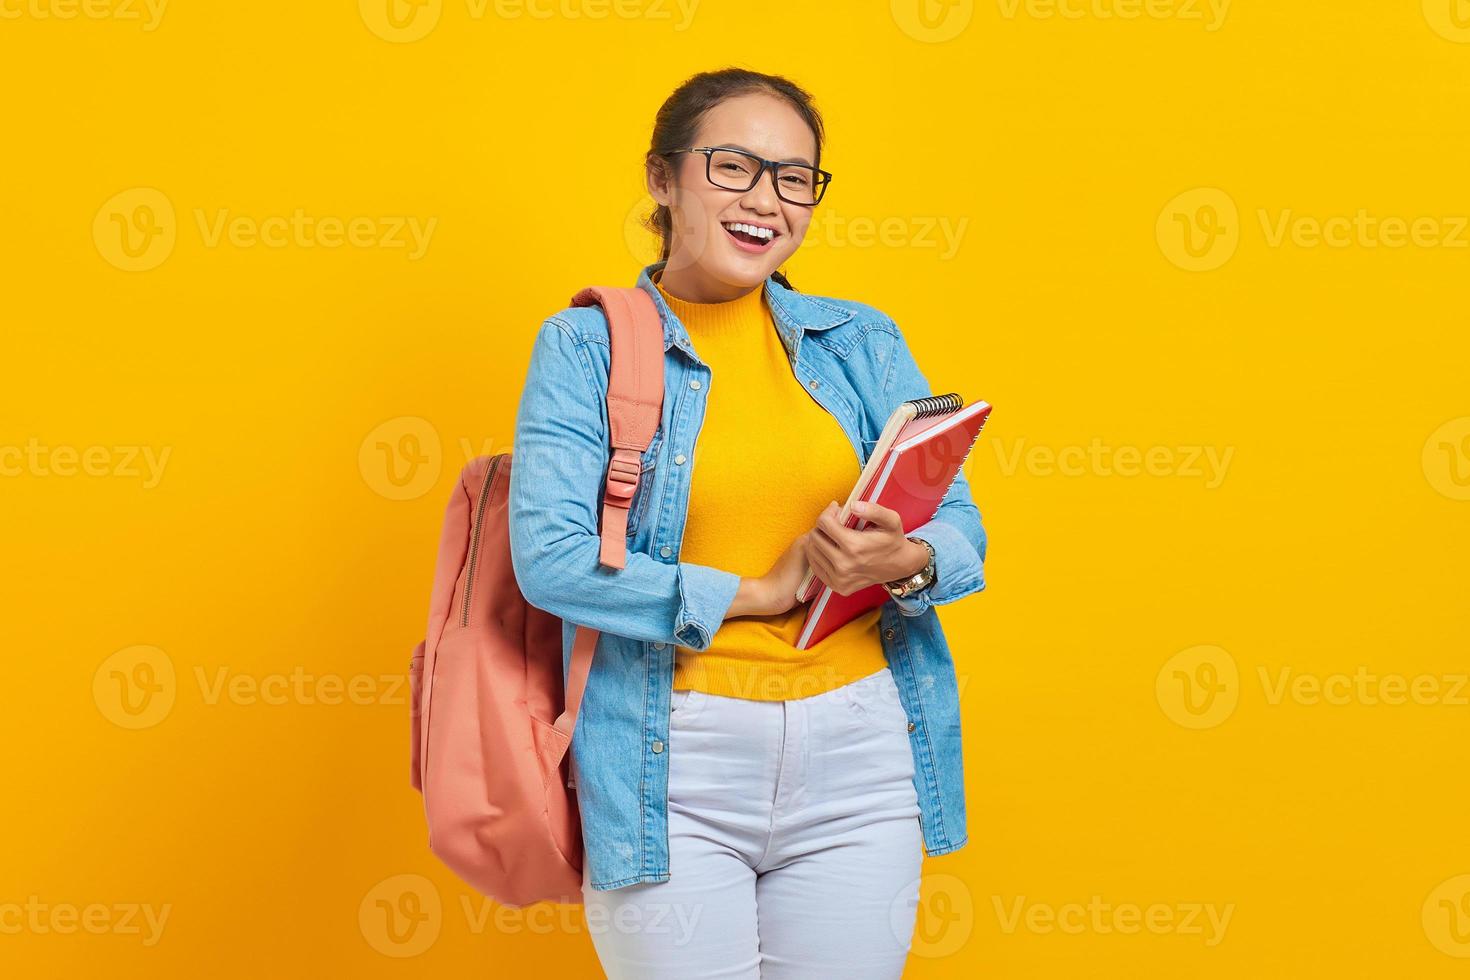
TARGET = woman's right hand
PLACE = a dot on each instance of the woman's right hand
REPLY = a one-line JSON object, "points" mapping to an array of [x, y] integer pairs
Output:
{"points": [[774, 592], [785, 575]]}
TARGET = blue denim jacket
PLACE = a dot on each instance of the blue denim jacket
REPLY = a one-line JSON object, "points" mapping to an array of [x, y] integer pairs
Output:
{"points": [[856, 364]]}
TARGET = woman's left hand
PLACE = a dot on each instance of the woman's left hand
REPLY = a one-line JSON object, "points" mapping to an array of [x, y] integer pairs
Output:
{"points": [[850, 560]]}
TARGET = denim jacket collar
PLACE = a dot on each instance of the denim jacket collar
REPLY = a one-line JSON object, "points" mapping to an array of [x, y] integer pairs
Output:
{"points": [[794, 313]]}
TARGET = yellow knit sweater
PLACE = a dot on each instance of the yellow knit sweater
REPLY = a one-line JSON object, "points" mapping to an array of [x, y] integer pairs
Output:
{"points": [[770, 458]]}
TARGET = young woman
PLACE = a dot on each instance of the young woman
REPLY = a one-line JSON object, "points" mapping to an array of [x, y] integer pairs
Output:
{"points": [[748, 809]]}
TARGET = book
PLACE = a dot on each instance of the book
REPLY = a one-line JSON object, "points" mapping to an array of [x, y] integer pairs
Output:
{"points": [[911, 468]]}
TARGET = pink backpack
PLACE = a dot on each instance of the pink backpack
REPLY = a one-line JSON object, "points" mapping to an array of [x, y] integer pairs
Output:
{"points": [[491, 721]]}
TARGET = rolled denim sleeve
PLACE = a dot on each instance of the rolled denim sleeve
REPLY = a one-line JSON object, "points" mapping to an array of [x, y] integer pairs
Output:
{"points": [[956, 531], [558, 472]]}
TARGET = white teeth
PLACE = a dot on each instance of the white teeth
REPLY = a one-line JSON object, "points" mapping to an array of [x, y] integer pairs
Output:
{"points": [[750, 229]]}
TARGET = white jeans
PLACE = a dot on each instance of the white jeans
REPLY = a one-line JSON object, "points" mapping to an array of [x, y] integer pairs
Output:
{"points": [[794, 844]]}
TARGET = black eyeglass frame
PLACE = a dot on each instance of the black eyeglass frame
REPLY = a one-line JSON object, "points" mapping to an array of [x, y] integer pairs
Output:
{"points": [[771, 165]]}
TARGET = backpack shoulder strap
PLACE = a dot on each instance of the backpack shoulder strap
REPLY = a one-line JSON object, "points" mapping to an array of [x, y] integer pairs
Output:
{"points": [[635, 398]]}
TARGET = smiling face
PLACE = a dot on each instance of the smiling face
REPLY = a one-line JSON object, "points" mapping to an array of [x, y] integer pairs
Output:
{"points": [[707, 262]]}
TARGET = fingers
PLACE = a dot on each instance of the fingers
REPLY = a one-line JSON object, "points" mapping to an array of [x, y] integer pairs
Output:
{"points": [[820, 565], [829, 525], [884, 517]]}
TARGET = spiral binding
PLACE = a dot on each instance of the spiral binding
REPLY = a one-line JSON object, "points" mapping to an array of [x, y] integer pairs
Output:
{"points": [[936, 405]]}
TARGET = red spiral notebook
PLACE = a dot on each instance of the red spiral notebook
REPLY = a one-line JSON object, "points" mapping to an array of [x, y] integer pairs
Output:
{"points": [[911, 468]]}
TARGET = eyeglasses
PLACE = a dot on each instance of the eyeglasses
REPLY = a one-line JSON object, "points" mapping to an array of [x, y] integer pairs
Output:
{"points": [[736, 170]]}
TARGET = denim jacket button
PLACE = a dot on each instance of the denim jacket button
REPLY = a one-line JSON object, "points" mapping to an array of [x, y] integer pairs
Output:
{"points": [[679, 459], [695, 384], [658, 746], [666, 551], [911, 726], [888, 633], [658, 644]]}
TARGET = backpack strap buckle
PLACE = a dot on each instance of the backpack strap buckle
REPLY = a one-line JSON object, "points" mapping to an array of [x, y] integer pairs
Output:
{"points": [[622, 483]]}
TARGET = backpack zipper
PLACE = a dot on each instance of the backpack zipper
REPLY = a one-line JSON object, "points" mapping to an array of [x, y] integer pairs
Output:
{"points": [[469, 579]]}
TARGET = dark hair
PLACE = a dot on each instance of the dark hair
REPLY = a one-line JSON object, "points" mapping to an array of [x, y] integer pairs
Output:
{"points": [[677, 124]]}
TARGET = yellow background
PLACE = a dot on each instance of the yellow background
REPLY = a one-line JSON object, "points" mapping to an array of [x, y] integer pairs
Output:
{"points": [[1128, 740]]}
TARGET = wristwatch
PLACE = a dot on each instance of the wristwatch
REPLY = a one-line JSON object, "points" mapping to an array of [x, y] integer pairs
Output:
{"points": [[921, 579]]}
